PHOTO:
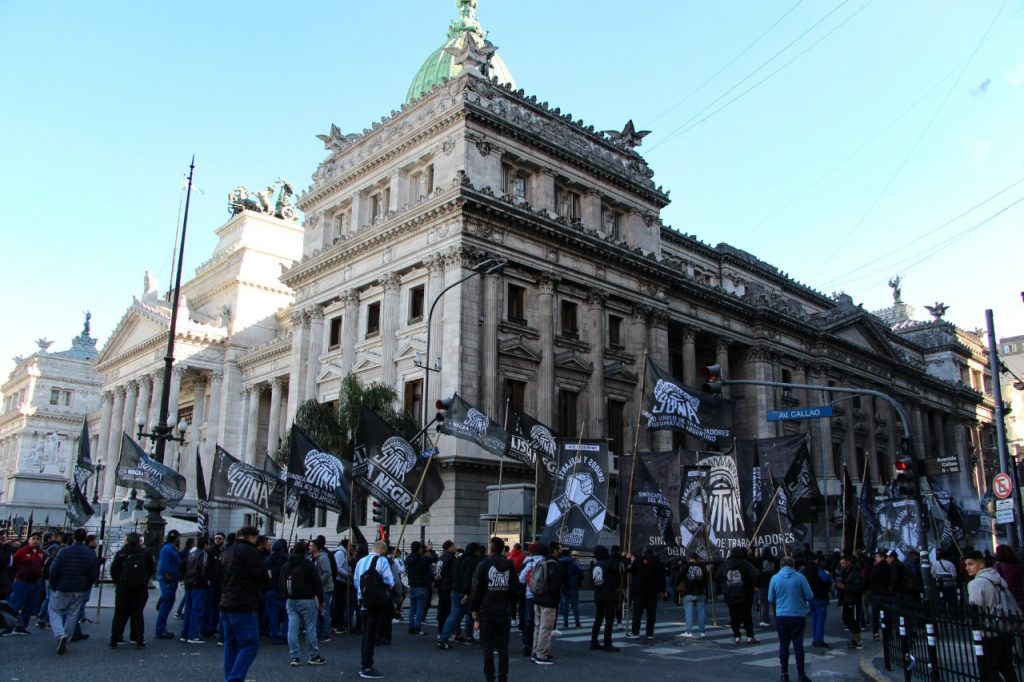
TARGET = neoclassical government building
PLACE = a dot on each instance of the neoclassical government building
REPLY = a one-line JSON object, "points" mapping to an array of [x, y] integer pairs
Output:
{"points": [[471, 168]]}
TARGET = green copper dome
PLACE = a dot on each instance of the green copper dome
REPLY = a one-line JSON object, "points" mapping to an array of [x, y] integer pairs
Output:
{"points": [[440, 64]]}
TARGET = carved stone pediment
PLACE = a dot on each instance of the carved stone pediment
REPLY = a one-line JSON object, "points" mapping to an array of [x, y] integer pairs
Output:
{"points": [[619, 371], [517, 347], [366, 361], [573, 361]]}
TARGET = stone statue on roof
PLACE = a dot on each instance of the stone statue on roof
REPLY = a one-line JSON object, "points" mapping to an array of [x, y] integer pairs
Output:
{"points": [[629, 136], [897, 292], [85, 327], [938, 310]]}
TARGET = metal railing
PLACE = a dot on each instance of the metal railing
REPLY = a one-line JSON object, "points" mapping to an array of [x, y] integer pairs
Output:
{"points": [[938, 643]]}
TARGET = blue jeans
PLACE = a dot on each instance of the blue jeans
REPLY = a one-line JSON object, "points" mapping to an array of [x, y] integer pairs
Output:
{"points": [[819, 607], [241, 643], [63, 611], [526, 623], [323, 621], [25, 599], [195, 612], [274, 612], [166, 603], [417, 607], [791, 630], [693, 607], [457, 614], [302, 613], [44, 607], [570, 600]]}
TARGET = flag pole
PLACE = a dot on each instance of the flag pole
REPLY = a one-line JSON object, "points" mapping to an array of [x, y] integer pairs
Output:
{"points": [[575, 468], [778, 514], [707, 539], [501, 465], [764, 517], [846, 479], [536, 486], [351, 547], [863, 482], [415, 496], [636, 458], [105, 551]]}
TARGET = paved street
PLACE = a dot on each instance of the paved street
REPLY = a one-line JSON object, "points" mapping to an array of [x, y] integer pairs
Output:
{"points": [[416, 658]]}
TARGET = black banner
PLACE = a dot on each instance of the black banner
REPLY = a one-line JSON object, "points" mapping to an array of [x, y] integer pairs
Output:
{"points": [[390, 469], [789, 462], [654, 518], [468, 423], [671, 405], [723, 513], [79, 510], [579, 505], [529, 440], [202, 499], [138, 471], [897, 525], [237, 484], [765, 502], [315, 478]]}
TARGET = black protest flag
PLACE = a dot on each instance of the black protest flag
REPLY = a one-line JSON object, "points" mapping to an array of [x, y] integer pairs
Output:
{"points": [[668, 404], [868, 513], [78, 509], [844, 503], [389, 468], [789, 461], [653, 511], [579, 505], [315, 478], [138, 471], [202, 499], [531, 442], [237, 484], [466, 422]]}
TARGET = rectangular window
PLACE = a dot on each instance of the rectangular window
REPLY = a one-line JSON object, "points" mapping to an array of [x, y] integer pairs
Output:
{"points": [[516, 304], [334, 333], [54, 397], [373, 319], [567, 400], [615, 332], [416, 297], [514, 184], [515, 394], [413, 399], [567, 203], [570, 327]]}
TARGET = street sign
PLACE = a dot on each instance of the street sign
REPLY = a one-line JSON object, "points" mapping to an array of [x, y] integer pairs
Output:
{"points": [[800, 413], [1004, 511], [939, 466], [1002, 486]]}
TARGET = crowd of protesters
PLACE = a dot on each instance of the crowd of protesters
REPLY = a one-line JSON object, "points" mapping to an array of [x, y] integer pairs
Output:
{"points": [[242, 587]]}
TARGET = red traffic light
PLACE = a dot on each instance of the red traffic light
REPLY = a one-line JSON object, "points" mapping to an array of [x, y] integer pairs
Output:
{"points": [[902, 465]]}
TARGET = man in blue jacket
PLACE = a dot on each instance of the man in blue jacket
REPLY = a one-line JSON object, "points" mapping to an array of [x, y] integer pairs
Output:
{"points": [[167, 568], [72, 572], [790, 594]]}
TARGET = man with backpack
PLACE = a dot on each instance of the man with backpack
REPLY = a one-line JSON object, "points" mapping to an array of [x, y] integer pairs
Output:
{"points": [[736, 576], [546, 580], [196, 592], [693, 585], [533, 558], [299, 581], [605, 574], [130, 571], [373, 581], [490, 602]]}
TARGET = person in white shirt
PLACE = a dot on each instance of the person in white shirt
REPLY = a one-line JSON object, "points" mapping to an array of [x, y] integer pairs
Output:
{"points": [[374, 616]]}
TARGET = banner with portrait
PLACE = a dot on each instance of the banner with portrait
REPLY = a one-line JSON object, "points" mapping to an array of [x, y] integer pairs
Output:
{"points": [[578, 506]]}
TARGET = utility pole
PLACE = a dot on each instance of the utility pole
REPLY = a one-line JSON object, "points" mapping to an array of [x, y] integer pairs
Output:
{"points": [[997, 396]]}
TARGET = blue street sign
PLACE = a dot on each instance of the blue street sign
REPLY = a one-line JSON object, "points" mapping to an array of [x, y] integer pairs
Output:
{"points": [[800, 413]]}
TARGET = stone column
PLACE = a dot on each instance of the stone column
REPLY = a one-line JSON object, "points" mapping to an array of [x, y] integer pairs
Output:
{"points": [[823, 427], [596, 319], [435, 283], [757, 399], [389, 315], [637, 344], [349, 333], [963, 446], [300, 351], [252, 422], [489, 381], [152, 410], [213, 413], [918, 432], [938, 436], [722, 360], [114, 440], [690, 356], [316, 349], [546, 367], [131, 400], [544, 192], [198, 405], [657, 343], [274, 430], [106, 401], [142, 411], [175, 398], [591, 210]]}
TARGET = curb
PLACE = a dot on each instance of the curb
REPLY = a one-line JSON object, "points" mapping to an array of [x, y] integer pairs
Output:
{"points": [[871, 672]]}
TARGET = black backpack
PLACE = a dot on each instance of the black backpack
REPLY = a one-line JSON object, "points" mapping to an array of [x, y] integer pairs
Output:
{"points": [[373, 592], [133, 571]]}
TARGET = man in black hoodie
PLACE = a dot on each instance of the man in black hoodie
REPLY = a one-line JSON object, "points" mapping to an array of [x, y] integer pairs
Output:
{"points": [[130, 571], [494, 582], [462, 584], [605, 575], [419, 569], [648, 583], [300, 582], [736, 575], [243, 580], [444, 574], [273, 596]]}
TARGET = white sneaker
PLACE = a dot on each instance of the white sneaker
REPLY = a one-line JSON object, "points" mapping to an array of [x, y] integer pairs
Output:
{"points": [[687, 635], [556, 633], [764, 624]]}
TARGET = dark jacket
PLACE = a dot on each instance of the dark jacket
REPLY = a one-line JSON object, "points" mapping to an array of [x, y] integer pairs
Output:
{"points": [[419, 569], [693, 580], [553, 596], [6, 552], [273, 565], [880, 578], [465, 567], [195, 572], [852, 585], [118, 562], [768, 566], [736, 576], [648, 575], [819, 580], [573, 573], [494, 584], [243, 577], [300, 579], [606, 579], [74, 569], [447, 574]]}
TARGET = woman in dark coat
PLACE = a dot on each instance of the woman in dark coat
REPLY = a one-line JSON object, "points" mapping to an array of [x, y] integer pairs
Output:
{"points": [[1012, 572]]}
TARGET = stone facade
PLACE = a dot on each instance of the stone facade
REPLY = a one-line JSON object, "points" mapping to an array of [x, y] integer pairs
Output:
{"points": [[45, 400]]}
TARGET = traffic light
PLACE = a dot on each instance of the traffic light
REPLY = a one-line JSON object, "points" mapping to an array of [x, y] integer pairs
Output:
{"points": [[379, 513], [712, 376], [443, 406], [906, 478]]}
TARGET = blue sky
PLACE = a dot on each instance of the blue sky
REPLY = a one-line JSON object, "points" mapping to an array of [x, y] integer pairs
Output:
{"points": [[843, 141]]}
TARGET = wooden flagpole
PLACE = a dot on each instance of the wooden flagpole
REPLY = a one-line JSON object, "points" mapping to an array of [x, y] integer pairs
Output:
{"points": [[863, 482], [778, 514], [501, 470], [575, 468], [636, 459], [846, 512], [707, 539], [536, 485], [764, 517], [416, 495], [106, 553]]}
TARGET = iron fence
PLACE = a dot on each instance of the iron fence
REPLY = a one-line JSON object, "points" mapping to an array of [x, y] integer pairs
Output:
{"points": [[951, 644]]}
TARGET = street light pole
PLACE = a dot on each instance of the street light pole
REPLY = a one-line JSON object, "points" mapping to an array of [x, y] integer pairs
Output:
{"points": [[491, 266], [162, 432]]}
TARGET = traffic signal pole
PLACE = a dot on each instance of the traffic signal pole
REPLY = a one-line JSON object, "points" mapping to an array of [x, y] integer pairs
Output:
{"points": [[922, 527], [997, 396]]}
